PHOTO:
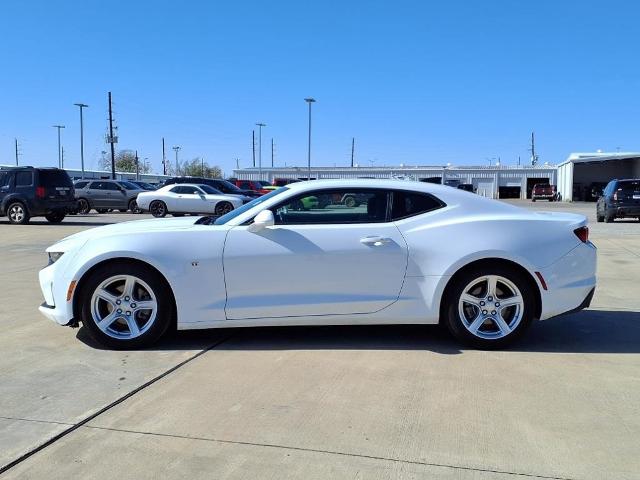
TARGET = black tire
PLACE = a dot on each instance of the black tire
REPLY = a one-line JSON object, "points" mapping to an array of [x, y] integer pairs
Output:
{"points": [[609, 218], [158, 208], [133, 206], [84, 206], [599, 218], [123, 210], [533, 199], [55, 217], [350, 202], [483, 340], [18, 213], [178, 214], [102, 210], [223, 208], [160, 289]]}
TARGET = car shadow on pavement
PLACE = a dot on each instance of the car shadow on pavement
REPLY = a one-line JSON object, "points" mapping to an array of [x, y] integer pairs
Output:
{"points": [[589, 331], [71, 223]]}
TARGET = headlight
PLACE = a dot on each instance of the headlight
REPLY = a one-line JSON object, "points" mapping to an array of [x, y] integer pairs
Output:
{"points": [[54, 256]]}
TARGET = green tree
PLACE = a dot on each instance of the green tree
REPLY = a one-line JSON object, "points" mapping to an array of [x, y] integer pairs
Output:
{"points": [[125, 162], [199, 168]]}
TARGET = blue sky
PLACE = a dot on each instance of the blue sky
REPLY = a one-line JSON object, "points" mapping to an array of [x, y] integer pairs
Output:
{"points": [[419, 82]]}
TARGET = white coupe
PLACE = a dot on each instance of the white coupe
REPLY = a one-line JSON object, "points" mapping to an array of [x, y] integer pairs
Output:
{"points": [[405, 252], [182, 198]]}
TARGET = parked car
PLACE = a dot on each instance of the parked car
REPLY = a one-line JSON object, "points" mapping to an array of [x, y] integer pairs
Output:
{"points": [[182, 198], [144, 185], [103, 195], [543, 191], [223, 186], [437, 255], [254, 185], [27, 192], [281, 182], [620, 199]]}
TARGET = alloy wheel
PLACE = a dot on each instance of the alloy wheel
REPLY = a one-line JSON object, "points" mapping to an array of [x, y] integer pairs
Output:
{"points": [[124, 307], [16, 213], [491, 307]]}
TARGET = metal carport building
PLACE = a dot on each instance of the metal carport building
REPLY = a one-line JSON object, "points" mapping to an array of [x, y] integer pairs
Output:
{"points": [[580, 170]]}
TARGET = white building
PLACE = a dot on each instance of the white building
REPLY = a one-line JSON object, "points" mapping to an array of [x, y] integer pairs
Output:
{"points": [[496, 181], [580, 171]]}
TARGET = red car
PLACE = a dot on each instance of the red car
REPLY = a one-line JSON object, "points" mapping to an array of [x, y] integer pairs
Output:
{"points": [[255, 185], [543, 191]]}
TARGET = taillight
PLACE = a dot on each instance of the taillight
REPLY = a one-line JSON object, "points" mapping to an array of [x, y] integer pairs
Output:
{"points": [[615, 197], [582, 233], [40, 193]]}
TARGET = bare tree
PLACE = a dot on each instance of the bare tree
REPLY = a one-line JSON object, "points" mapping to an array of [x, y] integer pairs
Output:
{"points": [[125, 162]]}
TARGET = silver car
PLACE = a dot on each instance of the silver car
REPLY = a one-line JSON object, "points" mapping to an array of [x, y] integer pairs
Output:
{"points": [[105, 195]]}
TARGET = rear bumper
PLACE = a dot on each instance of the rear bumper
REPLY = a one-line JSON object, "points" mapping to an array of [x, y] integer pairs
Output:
{"points": [[38, 207], [571, 282], [627, 211]]}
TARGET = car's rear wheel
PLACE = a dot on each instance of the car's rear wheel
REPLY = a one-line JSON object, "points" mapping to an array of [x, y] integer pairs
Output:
{"points": [[608, 218], [350, 202], [599, 218], [17, 213], [489, 307], [55, 217], [158, 208], [223, 208], [126, 306], [133, 206], [83, 206]]}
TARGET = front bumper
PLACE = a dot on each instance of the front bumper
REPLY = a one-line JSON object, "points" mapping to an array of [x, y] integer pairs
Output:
{"points": [[55, 306]]}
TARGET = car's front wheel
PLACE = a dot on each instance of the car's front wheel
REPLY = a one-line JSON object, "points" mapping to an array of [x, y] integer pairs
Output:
{"points": [[83, 206], [489, 307], [17, 213], [223, 208], [126, 306], [133, 206], [158, 208]]}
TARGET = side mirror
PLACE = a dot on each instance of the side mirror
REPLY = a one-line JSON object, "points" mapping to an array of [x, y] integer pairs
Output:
{"points": [[261, 221]]}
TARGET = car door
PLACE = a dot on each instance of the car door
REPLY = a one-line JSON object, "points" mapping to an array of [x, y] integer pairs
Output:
{"points": [[5, 185], [335, 260], [96, 194]]}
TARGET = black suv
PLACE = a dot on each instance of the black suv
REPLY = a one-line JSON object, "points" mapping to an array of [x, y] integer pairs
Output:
{"points": [[620, 199], [224, 186], [27, 192]]}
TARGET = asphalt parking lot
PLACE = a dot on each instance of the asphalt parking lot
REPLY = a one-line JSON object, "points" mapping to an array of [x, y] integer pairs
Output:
{"points": [[325, 402]]}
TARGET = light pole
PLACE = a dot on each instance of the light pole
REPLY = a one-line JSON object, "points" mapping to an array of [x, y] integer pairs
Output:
{"points": [[81, 106], [59, 148], [176, 149], [260, 125], [309, 101]]}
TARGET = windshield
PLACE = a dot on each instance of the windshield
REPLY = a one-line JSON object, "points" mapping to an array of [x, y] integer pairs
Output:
{"points": [[129, 186], [247, 206], [229, 187], [209, 189]]}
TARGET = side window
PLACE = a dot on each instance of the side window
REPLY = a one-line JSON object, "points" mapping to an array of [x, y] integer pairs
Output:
{"points": [[610, 187], [110, 186], [4, 179], [409, 204], [96, 186], [80, 185], [329, 207], [176, 190], [24, 179]]}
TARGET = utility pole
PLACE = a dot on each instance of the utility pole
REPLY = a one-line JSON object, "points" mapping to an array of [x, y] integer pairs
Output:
{"points": [[112, 140], [62, 159], [81, 106], [176, 149], [260, 125], [59, 151], [237, 163], [202, 166], [16, 141], [272, 153], [164, 159], [137, 167], [253, 146], [353, 144], [534, 158], [309, 100]]}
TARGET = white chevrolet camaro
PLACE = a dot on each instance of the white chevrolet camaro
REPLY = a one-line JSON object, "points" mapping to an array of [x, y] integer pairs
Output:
{"points": [[395, 253], [187, 198]]}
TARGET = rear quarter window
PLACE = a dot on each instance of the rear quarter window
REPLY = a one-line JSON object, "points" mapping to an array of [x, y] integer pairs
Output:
{"points": [[410, 204], [24, 179]]}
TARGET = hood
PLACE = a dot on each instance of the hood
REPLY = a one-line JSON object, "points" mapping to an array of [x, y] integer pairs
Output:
{"points": [[135, 226]]}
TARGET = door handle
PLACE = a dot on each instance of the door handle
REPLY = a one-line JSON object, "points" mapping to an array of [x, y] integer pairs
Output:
{"points": [[375, 241]]}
